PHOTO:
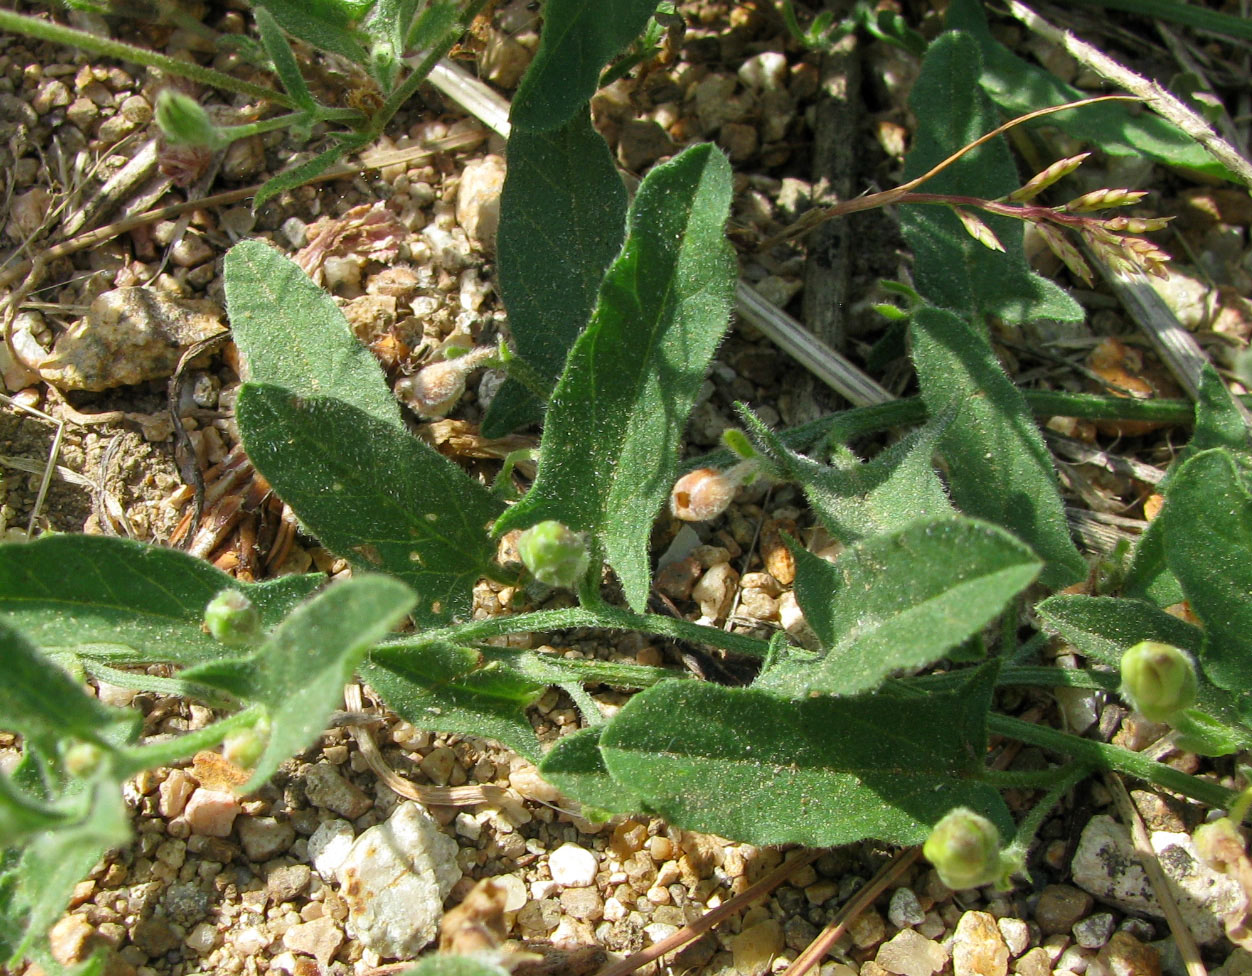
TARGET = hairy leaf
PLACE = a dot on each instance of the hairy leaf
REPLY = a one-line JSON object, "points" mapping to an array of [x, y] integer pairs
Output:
{"points": [[293, 335], [326, 24], [578, 39], [998, 466], [284, 59], [575, 766], [1207, 529], [375, 495], [302, 173], [562, 220], [900, 601], [1104, 628], [951, 269], [821, 771], [1117, 128], [124, 601], [855, 499], [443, 964], [446, 688], [609, 452]]}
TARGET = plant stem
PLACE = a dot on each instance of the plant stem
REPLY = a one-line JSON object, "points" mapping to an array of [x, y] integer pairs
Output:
{"points": [[1034, 779], [1017, 674], [609, 618], [405, 90], [1100, 755], [45, 30], [1072, 775], [137, 758]]}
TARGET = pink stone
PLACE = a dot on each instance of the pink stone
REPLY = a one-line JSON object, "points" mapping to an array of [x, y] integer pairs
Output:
{"points": [[211, 812]]}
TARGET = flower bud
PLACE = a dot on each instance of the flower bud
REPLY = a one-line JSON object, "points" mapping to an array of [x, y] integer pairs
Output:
{"points": [[705, 493], [554, 555], [964, 847], [232, 619], [82, 758], [1158, 680], [245, 746], [437, 387], [184, 122]]}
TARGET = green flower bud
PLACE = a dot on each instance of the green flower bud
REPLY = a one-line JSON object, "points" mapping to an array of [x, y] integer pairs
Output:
{"points": [[553, 554], [244, 747], [1158, 680], [82, 758], [964, 847], [184, 122], [232, 619]]}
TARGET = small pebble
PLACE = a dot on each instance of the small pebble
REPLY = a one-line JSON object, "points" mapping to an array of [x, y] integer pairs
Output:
{"points": [[905, 910], [329, 845], [1016, 935], [572, 866], [755, 947], [910, 954], [211, 812], [1094, 931], [1060, 906], [202, 938], [977, 947]]}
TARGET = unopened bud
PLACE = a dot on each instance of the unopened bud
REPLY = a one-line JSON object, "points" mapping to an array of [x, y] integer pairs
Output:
{"points": [[437, 387], [964, 847], [555, 555], [233, 619], [82, 758], [184, 122], [1158, 680], [705, 493], [244, 747]]}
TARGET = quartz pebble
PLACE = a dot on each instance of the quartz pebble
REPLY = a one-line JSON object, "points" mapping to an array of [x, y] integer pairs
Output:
{"points": [[478, 200], [202, 938], [572, 866], [909, 954], [1034, 962], [1016, 935], [264, 838], [1124, 955], [755, 947], [211, 812], [320, 938], [329, 845], [394, 880], [977, 947]]}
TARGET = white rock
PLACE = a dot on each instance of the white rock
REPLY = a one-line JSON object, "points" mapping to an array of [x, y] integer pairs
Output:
{"points": [[394, 881], [1106, 866], [325, 788], [572, 866], [211, 812], [515, 895], [910, 954], [478, 200], [329, 845], [905, 910], [765, 71], [1016, 935], [202, 938], [264, 838]]}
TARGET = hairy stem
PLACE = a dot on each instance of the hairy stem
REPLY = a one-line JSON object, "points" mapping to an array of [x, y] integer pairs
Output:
{"points": [[1100, 755], [45, 30]]}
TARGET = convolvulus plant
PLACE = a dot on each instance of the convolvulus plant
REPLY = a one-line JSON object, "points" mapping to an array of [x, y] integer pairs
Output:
{"points": [[618, 311]]}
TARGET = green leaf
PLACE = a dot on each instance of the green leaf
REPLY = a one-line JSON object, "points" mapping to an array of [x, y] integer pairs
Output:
{"points": [[292, 334], [609, 454], [449, 965], [575, 766], [748, 765], [437, 19], [41, 701], [578, 39], [900, 601], [284, 60], [446, 688], [855, 499], [22, 815], [1103, 628], [562, 220], [998, 466], [299, 673], [326, 24], [1219, 422], [53, 863], [1148, 577], [1117, 128], [300, 174], [373, 494], [1207, 535], [123, 601], [950, 268]]}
